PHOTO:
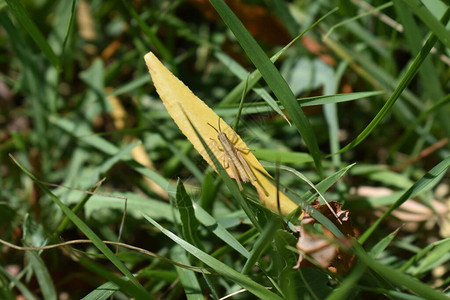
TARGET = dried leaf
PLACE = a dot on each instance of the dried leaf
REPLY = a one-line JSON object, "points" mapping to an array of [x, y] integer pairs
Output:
{"points": [[186, 108], [320, 247]]}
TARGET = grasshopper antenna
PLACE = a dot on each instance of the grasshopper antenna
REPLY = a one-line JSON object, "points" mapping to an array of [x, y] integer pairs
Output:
{"points": [[214, 127], [218, 121]]}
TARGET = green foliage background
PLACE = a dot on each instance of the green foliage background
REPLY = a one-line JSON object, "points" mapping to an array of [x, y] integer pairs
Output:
{"points": [[376, 95]]}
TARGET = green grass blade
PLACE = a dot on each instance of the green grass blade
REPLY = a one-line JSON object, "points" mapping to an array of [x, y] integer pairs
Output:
{"points": [[281, 9], [438, 256], [189, 223], [429, 179], [260, 107], [366, 13], [422, 253], [187, 278], [315, 214], [244, 76], [43, 277], [15, 283], [348, 285], [124, 285], [69, 27], [185, 160], [85, 135], [283, 157], [325, 184], [28, 24], [406, 79], [103, 292], [101, 170], [337, 98], [263, 241], [136, 204], [414, 125], [165, 53], [130, 86], [273, 78], [429, 78], [308, 208], [211, 224], [379, 247], [285, 259], [84, 228], [397, 277], [255, 76], [218, 266], [427, 17]]}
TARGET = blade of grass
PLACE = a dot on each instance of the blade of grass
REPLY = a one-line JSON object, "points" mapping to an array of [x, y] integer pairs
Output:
{"points": [[189, 223], [260, 107], [284, 260], [242, 74], [165, 53], [185, 160], [438, 28], [209, 191], [124, 285], [14, 282], [136, 204], [348, 284], [103, 292], [281, 9], [85, 135], [396, 276], [427, 74], [255, 76], [282, 157], [315, 214], [406, 79], [423, 253], [263, 241], [273, 78], [28, 24], [104, 167], [84, 228], [211, 223], [438, 256], [366, 13], [218, 266], [43, 276], [69, 27], [413, 126], [325, 184], [371, 71], [379, 247], [429, 179], [305, 179], [187, 278]]}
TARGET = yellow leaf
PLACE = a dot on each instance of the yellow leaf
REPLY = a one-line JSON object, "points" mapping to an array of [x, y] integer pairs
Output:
{"points": [[181, 103]]}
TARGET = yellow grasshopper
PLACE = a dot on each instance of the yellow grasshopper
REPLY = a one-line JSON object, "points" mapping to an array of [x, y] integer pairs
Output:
{"points": [[233, 158]]}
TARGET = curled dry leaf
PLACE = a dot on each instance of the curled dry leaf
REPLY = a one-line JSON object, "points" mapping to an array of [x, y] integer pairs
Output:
{"points": [[185, 109], [320, 247], [411, 213]]}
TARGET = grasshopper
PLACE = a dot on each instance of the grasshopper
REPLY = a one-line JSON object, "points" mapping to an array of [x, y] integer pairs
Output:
{"points": [[233, 158]]}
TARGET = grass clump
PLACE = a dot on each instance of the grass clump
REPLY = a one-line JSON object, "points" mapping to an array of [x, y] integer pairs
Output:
{"points": [[343, 107]]}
